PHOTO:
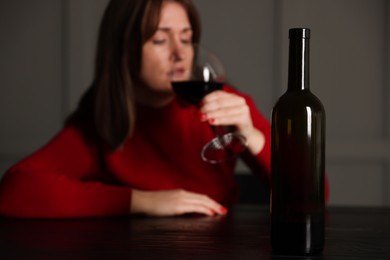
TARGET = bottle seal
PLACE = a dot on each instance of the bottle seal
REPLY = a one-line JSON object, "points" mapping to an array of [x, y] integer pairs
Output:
{"points": [[300, 33]]}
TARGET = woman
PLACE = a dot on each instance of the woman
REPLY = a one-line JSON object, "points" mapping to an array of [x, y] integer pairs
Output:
{"points": [[130, 147]]}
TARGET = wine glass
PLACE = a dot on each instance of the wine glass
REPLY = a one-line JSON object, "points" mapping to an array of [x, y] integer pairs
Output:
{"points": [[207, 75]]}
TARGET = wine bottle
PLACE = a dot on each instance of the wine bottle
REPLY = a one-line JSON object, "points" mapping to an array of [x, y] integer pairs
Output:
{"points": [[298, 159]]}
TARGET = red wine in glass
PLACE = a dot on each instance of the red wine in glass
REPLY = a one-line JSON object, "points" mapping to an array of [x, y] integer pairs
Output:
{"points": [[195, 90]]}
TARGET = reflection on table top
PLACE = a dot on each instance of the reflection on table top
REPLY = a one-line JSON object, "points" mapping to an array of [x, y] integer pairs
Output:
{"points": [[351, 233]]}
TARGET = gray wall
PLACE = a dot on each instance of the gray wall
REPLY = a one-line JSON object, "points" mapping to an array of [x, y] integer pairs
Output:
{"points": [[47, 46]]}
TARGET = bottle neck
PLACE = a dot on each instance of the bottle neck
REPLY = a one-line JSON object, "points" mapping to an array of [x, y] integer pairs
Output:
{"points": [[298, 68]]}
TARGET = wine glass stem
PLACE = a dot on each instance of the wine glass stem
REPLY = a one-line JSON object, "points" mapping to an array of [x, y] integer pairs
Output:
{"points": [[219, 132]]}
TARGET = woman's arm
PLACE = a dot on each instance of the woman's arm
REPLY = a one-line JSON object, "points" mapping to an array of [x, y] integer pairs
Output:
{"points": [[34, 193], [62, 179]]}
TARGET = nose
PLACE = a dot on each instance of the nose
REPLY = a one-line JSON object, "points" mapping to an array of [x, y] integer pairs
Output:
{"points": [[178, 52]]}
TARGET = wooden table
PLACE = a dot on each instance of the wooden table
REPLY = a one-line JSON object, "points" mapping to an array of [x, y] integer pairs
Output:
{"points": [[351, 233]]}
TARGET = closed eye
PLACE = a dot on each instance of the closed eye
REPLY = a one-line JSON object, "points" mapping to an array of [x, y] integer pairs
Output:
{"points": [[186, 41], [159, 41]]}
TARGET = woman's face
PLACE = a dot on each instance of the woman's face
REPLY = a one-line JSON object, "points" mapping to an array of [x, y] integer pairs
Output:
{"points": [[168, 55]]}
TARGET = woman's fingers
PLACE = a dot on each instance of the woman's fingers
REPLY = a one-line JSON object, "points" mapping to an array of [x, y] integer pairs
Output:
{"points": [[203, 200], [173, 202], [220, 99], [194, 208], [228, 109], [223, 108], [237, 115]]}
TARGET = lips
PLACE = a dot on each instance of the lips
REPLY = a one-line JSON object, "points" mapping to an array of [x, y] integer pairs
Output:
{"points": [[178, 74]]}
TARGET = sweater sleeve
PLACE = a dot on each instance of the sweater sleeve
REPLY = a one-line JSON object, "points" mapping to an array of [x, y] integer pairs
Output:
{"points": [[260, 164], [61, 180]]}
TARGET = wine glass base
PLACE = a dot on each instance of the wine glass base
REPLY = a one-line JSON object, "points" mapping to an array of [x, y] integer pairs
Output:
{"points": [[223, 148]]}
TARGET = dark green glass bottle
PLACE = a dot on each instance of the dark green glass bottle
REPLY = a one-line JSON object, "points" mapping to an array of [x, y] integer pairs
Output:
{"points": [[298, 159]]}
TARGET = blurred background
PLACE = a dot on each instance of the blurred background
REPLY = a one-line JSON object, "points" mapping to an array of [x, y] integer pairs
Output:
{"points": [[47, 53]]}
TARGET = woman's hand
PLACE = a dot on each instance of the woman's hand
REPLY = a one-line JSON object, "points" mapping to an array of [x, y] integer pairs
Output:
{"points": [[173, 202], [228, 109]]}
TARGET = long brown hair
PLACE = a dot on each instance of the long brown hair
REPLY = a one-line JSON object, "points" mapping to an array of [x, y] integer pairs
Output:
{"points": [[109, 103]]}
